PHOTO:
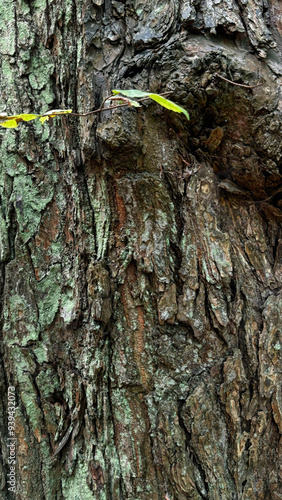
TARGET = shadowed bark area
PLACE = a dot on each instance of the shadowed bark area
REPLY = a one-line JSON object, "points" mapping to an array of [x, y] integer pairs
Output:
{"points": [[141, 254]]}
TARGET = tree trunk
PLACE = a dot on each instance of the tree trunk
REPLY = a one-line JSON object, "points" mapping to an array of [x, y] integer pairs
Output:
{"points": [[141, 254]]}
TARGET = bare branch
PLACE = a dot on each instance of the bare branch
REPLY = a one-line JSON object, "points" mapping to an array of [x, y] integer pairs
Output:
{"points": [[239, 84]]}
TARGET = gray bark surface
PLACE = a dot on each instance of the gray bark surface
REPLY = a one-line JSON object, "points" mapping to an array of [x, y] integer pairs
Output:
{"points": [[141, 254]]}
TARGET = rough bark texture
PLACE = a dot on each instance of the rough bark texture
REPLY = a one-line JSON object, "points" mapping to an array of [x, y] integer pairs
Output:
{"points": [[141, 255]]}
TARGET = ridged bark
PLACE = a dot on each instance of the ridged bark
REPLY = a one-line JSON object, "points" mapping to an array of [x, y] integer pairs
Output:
{"points": [[141, 255]]}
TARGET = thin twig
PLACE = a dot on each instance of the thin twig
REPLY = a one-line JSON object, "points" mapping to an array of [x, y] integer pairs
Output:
{"points": [[239, 84], [111, 107], [97, 110], [103, 102]]}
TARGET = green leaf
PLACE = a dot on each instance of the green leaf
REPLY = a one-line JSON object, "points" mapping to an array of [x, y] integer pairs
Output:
{"points": [[166, 103], [133, 103], [132, 93], [169, 104]]}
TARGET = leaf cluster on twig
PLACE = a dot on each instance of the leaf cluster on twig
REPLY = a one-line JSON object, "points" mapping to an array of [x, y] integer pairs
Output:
{"points": [[130, 98]]}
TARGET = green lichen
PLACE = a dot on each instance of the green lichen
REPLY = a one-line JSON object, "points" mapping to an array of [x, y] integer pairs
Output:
{"points": [[7, 28], [20, 320], [100, 205], [24, 366], [47, 382], [39, 5], [41, 353], [69, 11], [13, 165], [4, 239], [51, 481], [48, 292], [220, 253], [46, 96], [76, 487], [8, 145], [29, 202], [25, 36], [41, 69], [8, 80], [68, 305]]}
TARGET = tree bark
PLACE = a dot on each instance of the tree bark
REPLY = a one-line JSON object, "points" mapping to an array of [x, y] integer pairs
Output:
{"points": [[141, 254]]}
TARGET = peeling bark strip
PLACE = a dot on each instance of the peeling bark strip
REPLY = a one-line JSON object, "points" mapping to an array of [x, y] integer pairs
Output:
{"points": [[148, 309], [64, 441]]}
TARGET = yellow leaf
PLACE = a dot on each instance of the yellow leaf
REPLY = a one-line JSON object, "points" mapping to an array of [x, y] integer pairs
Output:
{"points": [[44, 118], [13, 121], [10, 123], [55, 112], [27, 117]]}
